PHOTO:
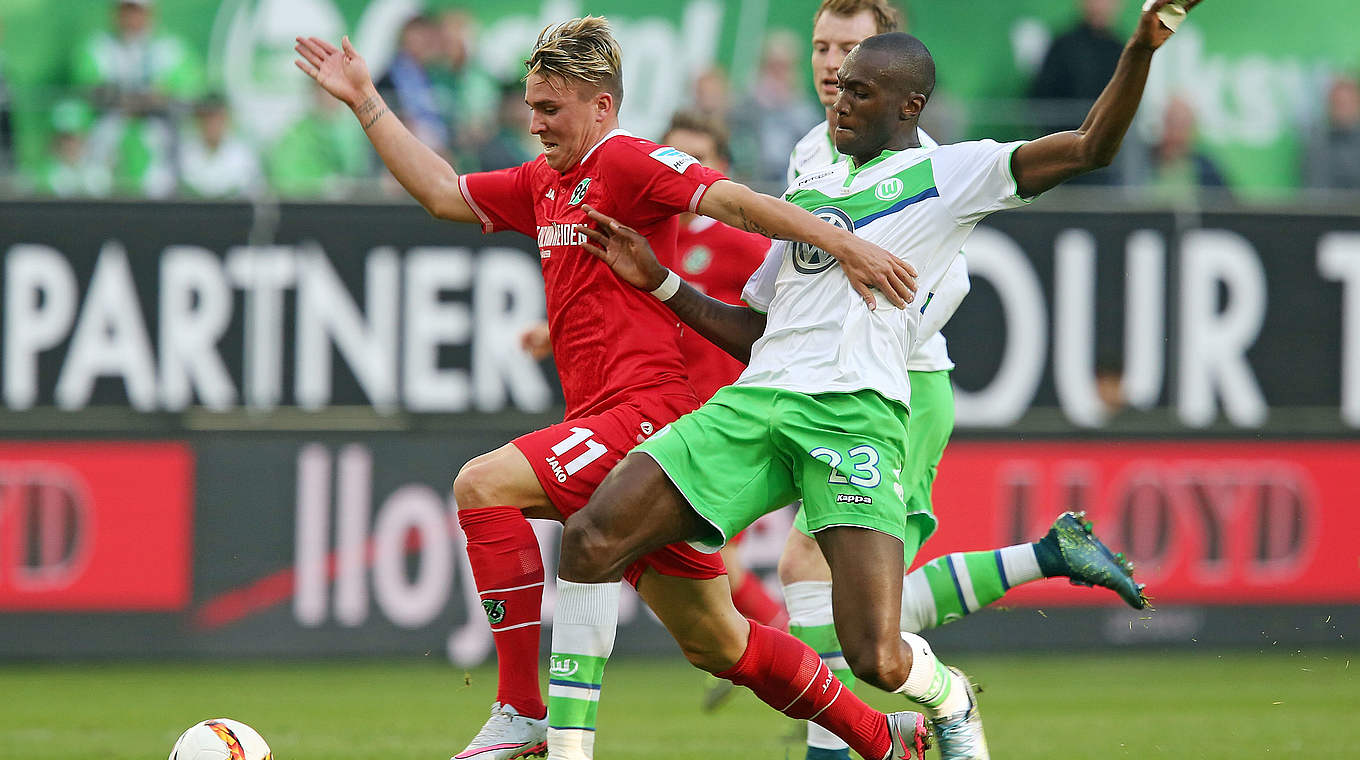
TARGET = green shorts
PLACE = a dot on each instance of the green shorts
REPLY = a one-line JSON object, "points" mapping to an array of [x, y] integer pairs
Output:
{"points": [[749, 451], [932, 422]]}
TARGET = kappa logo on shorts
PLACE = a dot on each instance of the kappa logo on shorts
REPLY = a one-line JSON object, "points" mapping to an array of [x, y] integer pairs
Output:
{"points": [[579, 194], [495, 610], [853, 498]]}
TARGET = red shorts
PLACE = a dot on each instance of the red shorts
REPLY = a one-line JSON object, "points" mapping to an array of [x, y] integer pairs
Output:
{"points": [[572, 457]]}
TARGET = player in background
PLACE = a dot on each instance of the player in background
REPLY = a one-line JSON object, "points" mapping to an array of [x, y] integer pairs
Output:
{"points": [[821, 410], [622, 373], [945, 588], [717, 260]]}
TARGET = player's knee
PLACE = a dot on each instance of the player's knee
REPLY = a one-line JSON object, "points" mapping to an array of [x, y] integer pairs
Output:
{"points": [[475, 485], [801, 561], [792, 565], [882, 664], [588, 555]]}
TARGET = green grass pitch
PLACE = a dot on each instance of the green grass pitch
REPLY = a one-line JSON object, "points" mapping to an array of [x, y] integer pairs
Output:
{"points": [[1231, 706]]}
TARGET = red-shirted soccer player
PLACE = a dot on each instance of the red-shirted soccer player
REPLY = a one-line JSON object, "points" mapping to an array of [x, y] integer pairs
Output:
{"points": [[721, 276], [618, 356], [696, 258], [718, 259]]}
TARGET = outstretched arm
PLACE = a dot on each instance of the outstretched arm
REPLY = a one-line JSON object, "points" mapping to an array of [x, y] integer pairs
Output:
{"points": [[1049, 161], [731, 328], [426, 176], [868, 266]]}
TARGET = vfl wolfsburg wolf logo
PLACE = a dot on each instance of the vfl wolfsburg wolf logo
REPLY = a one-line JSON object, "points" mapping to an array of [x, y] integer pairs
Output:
{"points": [[808, 258], [495, 610], [562, 667]]}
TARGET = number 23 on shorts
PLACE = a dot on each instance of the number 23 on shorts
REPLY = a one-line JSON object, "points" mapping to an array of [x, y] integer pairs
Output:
{"points": [[863, 461]]}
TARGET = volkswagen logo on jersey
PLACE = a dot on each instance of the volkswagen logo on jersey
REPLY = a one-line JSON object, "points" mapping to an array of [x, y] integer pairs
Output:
{"points": [[808, 258]]}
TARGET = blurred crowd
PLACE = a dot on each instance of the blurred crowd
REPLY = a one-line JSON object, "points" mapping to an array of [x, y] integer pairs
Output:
{"points": [[139, 119]]}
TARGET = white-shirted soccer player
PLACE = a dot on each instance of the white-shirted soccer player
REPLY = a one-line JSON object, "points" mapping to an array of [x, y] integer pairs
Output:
{"points": [[945, 588], [821, 411]]}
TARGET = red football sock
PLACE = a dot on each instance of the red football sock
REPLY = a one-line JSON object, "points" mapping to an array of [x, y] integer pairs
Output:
{"points": [[508, 569], [753, 601], [792, 679]]}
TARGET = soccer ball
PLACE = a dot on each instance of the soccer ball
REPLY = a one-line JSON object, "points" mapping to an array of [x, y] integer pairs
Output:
{"points": [[220, 739]]}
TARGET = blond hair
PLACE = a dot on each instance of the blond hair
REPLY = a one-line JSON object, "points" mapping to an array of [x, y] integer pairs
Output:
{"points": [[886, 17], [580, 50]]}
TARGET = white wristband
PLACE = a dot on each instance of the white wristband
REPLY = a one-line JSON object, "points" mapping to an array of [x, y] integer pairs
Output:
{"points": [[668, 287]]}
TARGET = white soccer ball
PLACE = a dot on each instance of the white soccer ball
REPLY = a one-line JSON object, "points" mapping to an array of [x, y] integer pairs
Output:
{"points": [[220, 739]]}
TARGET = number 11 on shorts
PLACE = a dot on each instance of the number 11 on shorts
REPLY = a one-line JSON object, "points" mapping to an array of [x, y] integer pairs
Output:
{"points": [[594, 450]]}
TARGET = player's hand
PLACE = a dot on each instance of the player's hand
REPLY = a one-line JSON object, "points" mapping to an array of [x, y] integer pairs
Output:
{"points": [[624, 250], [536, 341], [1151, 32], [341, 71], [871, 268]]}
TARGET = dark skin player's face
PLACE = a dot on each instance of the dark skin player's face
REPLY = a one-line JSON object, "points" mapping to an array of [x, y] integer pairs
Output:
{"points": [[873, 113]]}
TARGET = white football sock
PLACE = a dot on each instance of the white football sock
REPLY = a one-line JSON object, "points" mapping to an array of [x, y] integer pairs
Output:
{"points": [[930, 684], [1019, 564], [584, 626], [809, 605]]}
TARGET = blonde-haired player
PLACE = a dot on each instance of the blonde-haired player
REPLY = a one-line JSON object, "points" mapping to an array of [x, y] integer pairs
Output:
{"points": [[623, 376]]}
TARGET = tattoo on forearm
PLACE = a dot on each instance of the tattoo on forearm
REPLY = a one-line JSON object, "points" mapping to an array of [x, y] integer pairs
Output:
{"points": [[751, 225], [370, 111]]}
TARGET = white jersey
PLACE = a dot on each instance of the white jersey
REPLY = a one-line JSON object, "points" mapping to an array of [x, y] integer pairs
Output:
{"points": [[931, 354], [920, 204]]}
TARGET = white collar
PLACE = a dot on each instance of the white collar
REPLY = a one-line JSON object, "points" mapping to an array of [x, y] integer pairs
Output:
{"points": [[614, 133]]}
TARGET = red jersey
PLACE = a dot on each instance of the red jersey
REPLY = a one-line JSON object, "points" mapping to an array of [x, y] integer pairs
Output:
{"points": [[612, 341], [717, 260]]}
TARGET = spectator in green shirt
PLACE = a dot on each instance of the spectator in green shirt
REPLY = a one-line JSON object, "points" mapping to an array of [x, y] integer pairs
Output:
{"points": [[324, 154], [67, 171], [137, 79]]}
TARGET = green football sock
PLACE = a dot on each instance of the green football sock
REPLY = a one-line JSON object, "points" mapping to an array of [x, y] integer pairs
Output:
{"points": [[582, 640], [949, 587], [809, 606]]}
